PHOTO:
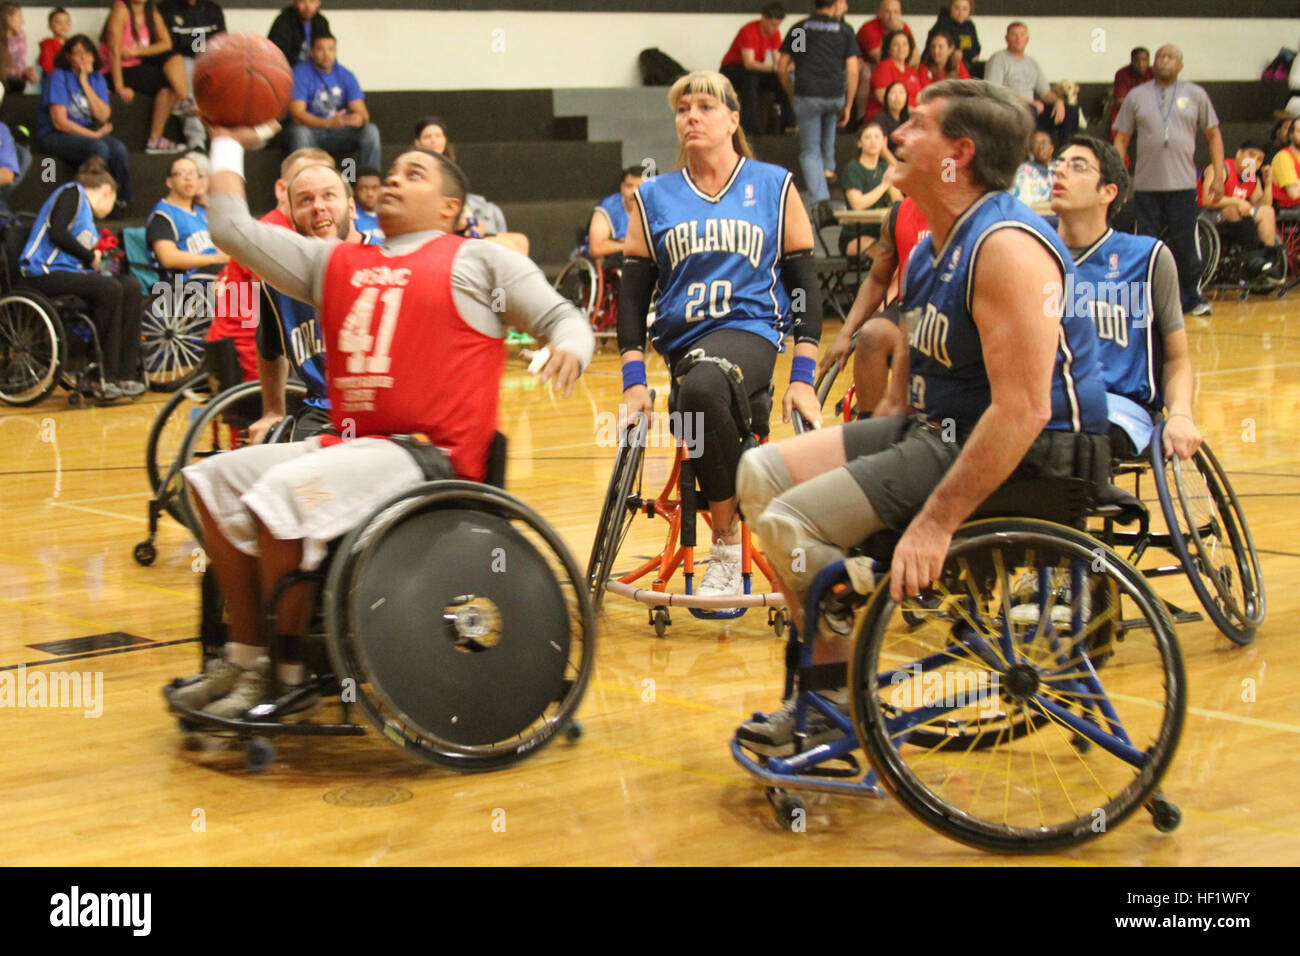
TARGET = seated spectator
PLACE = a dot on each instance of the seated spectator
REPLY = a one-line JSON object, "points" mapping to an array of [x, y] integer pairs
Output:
{"points": [[293, 29], [177, 229], [871, 45], [1137, 72], [479, 219], [896, 68], [369, 185], [895, 112], [138, 49], [1246, 208], [750, 64], [955, 20], [1067, 92], [192, 23], [14, 161], [73, 123], [868, 183], [60, 26], [608, 227], [1033, 182], [19, 72], [60, 259], [942, 60], [1279, 137], [1286, 172], [1025, 78], [328, 108]]}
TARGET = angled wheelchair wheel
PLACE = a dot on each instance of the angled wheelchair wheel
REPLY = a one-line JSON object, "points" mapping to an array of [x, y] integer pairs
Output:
{"points": [[31, 349], [1207, 246], [170, 427], [580, 282], [172, 341], [1021, 732], [622, 499], [463, 623], [1208, 532]]}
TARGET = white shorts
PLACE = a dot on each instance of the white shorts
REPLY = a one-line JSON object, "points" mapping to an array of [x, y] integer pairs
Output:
{"points": [[300, 490]]}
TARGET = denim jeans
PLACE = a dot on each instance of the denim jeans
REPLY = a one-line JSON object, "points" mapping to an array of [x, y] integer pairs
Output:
{"points": [[76, 149], [345, 139], [24, 162], [817, 116]]}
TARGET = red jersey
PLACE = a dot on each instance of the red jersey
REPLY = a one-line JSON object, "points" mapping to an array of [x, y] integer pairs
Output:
{"points": [[927, 77], [872, 35], [400, 358], [239, 308], [751, 37], [886, 75], [910, 227], [1234, 188], [50, 48]]}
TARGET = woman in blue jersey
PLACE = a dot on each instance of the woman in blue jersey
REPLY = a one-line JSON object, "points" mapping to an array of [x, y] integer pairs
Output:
{"points": [[608, 226], [726, 245], [74, 121], [177, 230], [60, 259]]}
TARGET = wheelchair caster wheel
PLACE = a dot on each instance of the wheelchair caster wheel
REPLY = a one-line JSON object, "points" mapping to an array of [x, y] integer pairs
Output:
{"points": [[779, 619], [145, 553], [573, 732], [258, 754], [74, 399], [659, 618], [789, 809], [187, 726], [1164, 815]]}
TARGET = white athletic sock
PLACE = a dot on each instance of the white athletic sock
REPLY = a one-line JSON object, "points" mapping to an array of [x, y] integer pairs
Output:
{"points": [[245, 656], [290, 673]]}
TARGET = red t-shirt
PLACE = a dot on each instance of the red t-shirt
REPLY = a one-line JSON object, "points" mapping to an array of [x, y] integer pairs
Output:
{"points": [[399, 356], [1124, 83], [888, 73], [872, 35], [910, 227], [50, 48], [927, 77], [751, 37], [239, 305]]}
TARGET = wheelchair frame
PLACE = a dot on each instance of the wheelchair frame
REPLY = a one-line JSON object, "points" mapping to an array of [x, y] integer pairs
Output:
{"points": [[595, 294]]}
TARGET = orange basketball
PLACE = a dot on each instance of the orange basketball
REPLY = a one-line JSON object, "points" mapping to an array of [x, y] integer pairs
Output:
{"points": [[242, 80]]}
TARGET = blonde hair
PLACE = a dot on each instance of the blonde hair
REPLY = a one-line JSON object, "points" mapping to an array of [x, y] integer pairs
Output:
{"points": [[719, 87]]}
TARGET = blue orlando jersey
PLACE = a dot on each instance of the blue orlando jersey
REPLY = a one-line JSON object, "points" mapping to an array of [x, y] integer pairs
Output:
{"points": [[368, 224], [1112, 287], [949, 380], [190, 228], [612, 207], [718, 256], [41, 256]]}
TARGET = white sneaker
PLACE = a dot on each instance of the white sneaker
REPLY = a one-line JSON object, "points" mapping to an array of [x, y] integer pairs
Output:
{"points": [[723, 573], [1025, 608]]}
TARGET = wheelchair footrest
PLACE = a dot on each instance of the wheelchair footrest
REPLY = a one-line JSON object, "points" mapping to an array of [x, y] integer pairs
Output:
{"points": [[210, 723]]}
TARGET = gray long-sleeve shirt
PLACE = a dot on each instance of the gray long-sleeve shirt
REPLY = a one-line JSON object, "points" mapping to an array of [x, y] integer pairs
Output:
{"points": [[492, 286]]}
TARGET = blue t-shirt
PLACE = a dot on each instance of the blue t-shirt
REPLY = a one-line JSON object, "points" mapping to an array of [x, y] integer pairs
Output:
{"points": [[325, 93], [719, 257], [41, 256], [368, 223], [949, 379], [64, 89], [8, 151], [612, 207], [189, 228]]}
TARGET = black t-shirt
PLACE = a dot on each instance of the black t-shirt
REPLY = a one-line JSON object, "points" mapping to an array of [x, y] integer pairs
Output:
{"points": [[190, 23], [968, 40], [819, 63]]}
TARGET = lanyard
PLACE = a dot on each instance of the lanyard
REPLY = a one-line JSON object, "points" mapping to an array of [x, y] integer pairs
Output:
{"points": [[1166, 113]]}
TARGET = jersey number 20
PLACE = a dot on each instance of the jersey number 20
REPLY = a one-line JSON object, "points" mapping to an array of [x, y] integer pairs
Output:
{"points": [[366, 352], [718, 294]]}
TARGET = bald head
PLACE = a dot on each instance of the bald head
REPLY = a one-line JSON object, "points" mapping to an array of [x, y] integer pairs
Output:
{"points": [[1169, 63]]}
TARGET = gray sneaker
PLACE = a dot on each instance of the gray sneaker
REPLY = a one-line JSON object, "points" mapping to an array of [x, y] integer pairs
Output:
{"points": [[217, 680], [106, 394], [131, 388], [251, 689], [773, 734]]}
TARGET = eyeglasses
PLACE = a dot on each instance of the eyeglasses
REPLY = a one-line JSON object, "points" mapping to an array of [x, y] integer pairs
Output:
{"points": [[1077, 164]]}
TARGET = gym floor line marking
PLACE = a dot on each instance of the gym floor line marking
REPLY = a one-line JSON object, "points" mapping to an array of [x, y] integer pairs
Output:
{"points": [[69, 471], [109, 653], [134, 519], [676, 701], [73, 569], [79, 621], [1216, 715], [1223, 820], [1239, 371], [1282, 554]]}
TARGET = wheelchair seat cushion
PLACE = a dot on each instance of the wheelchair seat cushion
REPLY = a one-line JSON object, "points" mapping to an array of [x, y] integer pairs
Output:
{"points": [[1116, 503]]}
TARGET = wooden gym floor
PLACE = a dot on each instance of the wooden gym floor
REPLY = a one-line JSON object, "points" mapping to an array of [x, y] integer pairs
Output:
{"points": [[652, 782]]}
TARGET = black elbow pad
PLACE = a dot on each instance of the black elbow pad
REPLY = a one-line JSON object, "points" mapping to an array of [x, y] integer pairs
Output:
{"points": [[635, 291], [799, 275]]}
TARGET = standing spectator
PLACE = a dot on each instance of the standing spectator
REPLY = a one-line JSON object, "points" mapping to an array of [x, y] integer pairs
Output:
{"points": [[370, 183], [942, 60], [822, 52], [896, 68], [750, 64], [873, 49], [868, 183], [1136, 73], [14, 161], [328, 108], [138, 48], [192, 23], [293, 29], [955, 19], [73, 123], [60, 26], [896, 111], [1286, 172], [1033, 182], [607, 230], [177, 228], [1025, 78], [18, 72], [1166, 115]]}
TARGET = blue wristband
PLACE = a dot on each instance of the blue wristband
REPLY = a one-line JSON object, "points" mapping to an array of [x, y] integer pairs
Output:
{"points": [[633, 374], [803, 369]]}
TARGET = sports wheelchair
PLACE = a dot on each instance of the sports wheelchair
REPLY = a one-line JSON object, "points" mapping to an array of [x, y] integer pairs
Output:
{"points": [[452, 616], [1230, 264], [592, 286], [681, 504], [177, 316], [44, 342], [1030, 700]]}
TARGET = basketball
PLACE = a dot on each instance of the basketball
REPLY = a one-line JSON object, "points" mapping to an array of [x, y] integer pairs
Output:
{"points": [[242, 80]]}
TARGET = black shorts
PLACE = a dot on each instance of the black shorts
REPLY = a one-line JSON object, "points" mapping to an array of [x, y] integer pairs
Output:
{"points": [[1244, 232], [147, 77]]}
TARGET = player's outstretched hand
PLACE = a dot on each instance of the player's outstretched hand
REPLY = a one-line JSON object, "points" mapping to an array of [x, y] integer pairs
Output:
{"points": [[918, 559], [636, 401], [561, 371], [248, 137], [802, 396], [257, 431], [1182, 437], [837, 351]]}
